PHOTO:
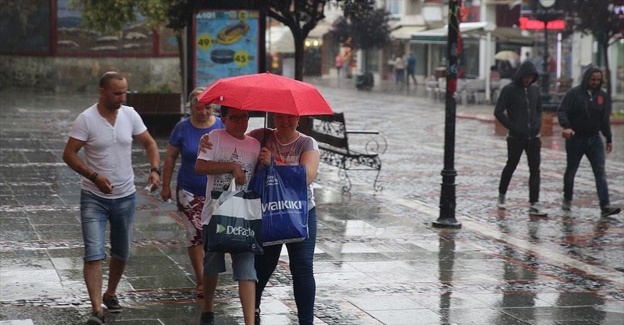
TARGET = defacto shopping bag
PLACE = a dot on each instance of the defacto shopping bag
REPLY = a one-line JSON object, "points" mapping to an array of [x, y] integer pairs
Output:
{"points": [[236, 223], [283, 190]]}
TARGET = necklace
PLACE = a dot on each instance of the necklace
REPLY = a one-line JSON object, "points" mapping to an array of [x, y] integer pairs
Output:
{"points": [[287, 139]]}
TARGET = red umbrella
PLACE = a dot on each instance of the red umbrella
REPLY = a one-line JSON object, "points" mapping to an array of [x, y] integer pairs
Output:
{"points": [[267, 92]]}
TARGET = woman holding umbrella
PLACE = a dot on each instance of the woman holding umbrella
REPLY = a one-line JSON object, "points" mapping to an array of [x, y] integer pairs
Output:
{"points": [[287, 99], [287, 146]]}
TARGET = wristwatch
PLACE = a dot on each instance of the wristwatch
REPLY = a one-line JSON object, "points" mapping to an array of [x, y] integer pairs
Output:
{"points": [[156, 170]]}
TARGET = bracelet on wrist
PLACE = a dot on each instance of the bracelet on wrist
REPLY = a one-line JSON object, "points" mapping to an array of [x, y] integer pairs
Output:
{"points": [[155, 170], [93, 177]]}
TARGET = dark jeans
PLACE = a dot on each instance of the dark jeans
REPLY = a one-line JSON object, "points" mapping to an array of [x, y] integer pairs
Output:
{"points": [[399, 75], [515, 147], [594, 149], [301, 256], [410, 74]]}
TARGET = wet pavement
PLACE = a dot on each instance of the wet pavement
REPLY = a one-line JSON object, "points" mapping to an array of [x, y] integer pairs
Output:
{"points": [[378, 259]]}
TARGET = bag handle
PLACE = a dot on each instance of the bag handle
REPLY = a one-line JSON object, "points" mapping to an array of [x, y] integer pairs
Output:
{"points": [[232, 185]]}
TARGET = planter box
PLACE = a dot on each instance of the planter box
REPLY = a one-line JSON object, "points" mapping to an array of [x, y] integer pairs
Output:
{"points": [[154, 103], [160, 111]]}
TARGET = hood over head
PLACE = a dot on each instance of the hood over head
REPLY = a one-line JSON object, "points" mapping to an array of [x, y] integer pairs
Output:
{"points": [[587, 73], [527, 68]]}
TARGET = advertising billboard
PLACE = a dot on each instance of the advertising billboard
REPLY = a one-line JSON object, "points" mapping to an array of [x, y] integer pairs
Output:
{"points": [[225, 44]]}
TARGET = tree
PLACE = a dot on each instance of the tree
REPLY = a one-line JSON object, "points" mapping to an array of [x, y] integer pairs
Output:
{"points": [[363, 26], [301, 16], [113, 15], [598, 18]]}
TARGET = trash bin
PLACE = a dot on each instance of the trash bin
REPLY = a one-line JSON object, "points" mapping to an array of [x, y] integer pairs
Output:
{"points": [[364, 81]]}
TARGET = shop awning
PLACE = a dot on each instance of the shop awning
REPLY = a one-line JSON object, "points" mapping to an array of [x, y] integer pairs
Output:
{"points": [[406, 32], [319, 30], [438, 35], [513, 35], [472, 30], [279, 39]]}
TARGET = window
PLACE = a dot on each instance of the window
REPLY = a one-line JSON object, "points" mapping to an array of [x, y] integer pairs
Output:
{"points": [[395, 7], [25, 29]]}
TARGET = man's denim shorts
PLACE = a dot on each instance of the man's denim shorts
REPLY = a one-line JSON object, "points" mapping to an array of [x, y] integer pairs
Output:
{"points": [[95, 211], [242, 263]]}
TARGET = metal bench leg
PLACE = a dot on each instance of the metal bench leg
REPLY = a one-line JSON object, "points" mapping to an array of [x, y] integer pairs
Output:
{"points": [[342, 174], [377, 188]]}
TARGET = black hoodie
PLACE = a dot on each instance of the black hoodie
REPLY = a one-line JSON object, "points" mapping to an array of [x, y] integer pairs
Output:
{"points": [[523, 105], [586, 111]]}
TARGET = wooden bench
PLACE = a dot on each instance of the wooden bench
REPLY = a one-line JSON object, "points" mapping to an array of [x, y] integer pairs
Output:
{"points": [[333, 139]]}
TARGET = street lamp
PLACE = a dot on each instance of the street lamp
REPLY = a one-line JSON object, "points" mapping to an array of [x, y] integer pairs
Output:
{"points": [[546, 12], [447, 196]]}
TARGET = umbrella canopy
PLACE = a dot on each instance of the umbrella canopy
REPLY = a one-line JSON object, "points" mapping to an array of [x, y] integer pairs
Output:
{"points": [[267, 92], [507, 56]]}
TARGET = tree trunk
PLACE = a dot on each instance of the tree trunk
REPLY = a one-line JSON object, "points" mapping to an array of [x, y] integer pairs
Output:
{"points": [[299, 44]]}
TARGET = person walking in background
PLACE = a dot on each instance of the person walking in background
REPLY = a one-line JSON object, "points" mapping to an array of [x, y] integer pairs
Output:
{"points": [[528, 58], [234, 155], [399, 69], [339, 64], [411, 69], [106, 131], [519, 109], [584, 113], [494, 74], [191, 188]]}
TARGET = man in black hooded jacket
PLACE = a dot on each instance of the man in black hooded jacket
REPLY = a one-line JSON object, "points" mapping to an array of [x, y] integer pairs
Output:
{"points": [[584, 113], [519, 109]]}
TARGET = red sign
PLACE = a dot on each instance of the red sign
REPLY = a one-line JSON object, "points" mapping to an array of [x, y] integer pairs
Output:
{"points": [[534, 24]]}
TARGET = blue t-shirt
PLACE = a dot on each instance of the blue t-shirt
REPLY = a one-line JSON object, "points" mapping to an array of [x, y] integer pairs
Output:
{"points": [[186, 137]]}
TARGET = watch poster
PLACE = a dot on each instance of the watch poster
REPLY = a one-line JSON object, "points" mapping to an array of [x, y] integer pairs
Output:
{"points": [[226, 45]]}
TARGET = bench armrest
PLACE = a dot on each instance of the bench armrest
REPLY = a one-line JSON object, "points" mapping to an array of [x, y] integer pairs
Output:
{"points": [[376, 144], [362, 132]]}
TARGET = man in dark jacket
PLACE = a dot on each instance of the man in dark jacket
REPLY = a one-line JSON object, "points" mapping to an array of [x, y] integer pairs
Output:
{"points": [[519, 109], [584, 113]]}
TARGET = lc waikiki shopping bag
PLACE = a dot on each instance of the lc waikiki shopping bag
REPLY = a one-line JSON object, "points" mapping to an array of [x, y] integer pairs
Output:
{"points": [[236, 222], [283, 190]]}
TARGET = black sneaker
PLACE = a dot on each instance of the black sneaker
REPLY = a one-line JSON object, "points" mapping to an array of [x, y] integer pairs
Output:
{"points": [[207, 318], [112, 304], [536, 210], [96, 319], [609, 211]]}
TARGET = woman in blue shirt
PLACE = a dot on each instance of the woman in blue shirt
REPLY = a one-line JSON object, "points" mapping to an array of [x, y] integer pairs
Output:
{"points": [[191, 188]]}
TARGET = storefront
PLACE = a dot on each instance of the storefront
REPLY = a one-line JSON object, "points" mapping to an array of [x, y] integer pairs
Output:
{"points": [[429, 47]]}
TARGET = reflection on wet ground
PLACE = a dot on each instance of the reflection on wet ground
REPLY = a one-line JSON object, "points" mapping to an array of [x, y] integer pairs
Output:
{"points": [[378, 260]]}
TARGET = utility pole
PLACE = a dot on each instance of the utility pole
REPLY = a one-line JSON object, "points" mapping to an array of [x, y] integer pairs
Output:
{"points": [[453, 50], [546, 11]]}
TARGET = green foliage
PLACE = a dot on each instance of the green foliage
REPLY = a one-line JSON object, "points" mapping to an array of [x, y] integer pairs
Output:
{"points": [[594, 17], [363, 26], [180, 12], [113, 15], [301, 16], [597, 18]]}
